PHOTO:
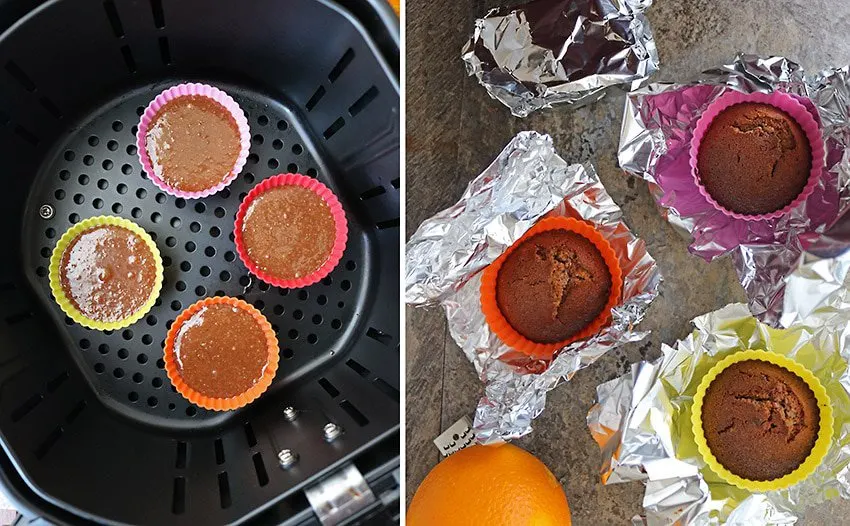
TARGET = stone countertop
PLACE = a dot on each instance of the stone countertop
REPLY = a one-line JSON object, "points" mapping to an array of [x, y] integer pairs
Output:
{"points": [[454, 130]]}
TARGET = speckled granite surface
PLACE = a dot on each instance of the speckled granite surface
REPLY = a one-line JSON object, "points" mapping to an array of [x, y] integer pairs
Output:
{"points": [[454, 130]]}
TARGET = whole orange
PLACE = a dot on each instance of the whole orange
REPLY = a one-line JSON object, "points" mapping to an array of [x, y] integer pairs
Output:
{"points": [[499, 485]]}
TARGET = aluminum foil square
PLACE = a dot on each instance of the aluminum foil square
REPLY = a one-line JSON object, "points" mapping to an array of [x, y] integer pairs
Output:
{"points": [[548, 52], [445, 256], [658, 124], [638, 418]]}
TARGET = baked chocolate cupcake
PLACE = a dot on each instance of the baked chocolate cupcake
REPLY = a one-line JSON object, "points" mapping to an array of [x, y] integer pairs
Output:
{"points": [[553, 285], [760, 420], [221, 353], [105, 272], [290, 231], [754, 159]]}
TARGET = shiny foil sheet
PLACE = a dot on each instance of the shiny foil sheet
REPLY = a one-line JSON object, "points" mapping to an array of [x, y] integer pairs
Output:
{"points": [[445, 256], [641, 420], [655, 138], [549, 52]]}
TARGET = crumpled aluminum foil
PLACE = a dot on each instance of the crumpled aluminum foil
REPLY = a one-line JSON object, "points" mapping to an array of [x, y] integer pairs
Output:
{"points": [[654, 141], [641, 420], [550, 52], [527, 181]]}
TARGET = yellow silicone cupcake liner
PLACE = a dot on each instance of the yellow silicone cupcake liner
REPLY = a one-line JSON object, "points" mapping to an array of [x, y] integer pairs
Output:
{"points": [[56, 260], [822, 442]]}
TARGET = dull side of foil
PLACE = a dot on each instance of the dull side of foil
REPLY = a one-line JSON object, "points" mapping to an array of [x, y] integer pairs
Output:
{"points": [[527, 181], [548, 52], [634, 420], [657, 128]]}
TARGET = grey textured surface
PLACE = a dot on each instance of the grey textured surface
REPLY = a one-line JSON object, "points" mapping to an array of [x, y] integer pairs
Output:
{"points": [[454, 130]]}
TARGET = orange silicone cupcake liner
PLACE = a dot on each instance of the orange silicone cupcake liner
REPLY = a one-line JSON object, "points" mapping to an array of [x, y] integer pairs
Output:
{"points": [[233, 402], [499, 324]]}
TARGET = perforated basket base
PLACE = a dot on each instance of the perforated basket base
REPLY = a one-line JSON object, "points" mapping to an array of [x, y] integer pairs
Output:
{"points": [[97, 172]]}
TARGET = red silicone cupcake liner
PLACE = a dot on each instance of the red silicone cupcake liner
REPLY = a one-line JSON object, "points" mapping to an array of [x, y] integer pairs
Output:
{"points": [[784, 102], [233, 402], [338, 214], [500, 325], [184, 90]]}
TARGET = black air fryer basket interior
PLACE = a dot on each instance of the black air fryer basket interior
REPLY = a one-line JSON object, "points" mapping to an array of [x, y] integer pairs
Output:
{"points": [[89, 423]]}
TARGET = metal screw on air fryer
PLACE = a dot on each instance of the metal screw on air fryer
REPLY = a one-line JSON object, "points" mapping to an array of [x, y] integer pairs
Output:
{"points": [[290, 413], [287, 458], [45, 211], [332, 431]]}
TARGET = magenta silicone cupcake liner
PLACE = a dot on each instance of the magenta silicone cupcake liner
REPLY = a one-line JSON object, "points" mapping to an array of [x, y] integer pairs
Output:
{"points": [[340, 239], [185, 90], [782, 101]]}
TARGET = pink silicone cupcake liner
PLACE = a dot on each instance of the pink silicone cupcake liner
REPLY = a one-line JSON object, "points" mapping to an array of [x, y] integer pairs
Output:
{"points": [[336, 211], [784, 102], [183, 90]]}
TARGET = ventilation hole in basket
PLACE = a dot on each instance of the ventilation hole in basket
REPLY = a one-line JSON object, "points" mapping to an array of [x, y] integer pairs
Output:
{"points": [[185, 266], [221, 293], [219, 452], [395, 183], [182, 454], [373, 192], [328, 387], [51, 108], [390, 223], [343, 63], [74, 218], [250, 437], [156, 382], [336, 324], [345, 285], [40, 272], [354, 413], [14, 319], [18, 74], [205, 271], [277, 144], [244, 281], [191, 411], [200, 291], [99, 368], [79, 199], [114, 19], [26, 135], [297, 314], [176, 305], [126, 169], [273, 163], [379, 336], [359, 369], [166, 262], [178, 496], [312, 172], [164, 51], [312, 339], [147, 339], [364, 100], [292, 168], [172, 406], [75, 412], [262, 120], [220, 212], [64, 175], [24, 409], [278, 310], [229, 256], [315, 98], [386, 388], [59, 194], [293, 334], [88, 160], [118, 372], [333, 128], [258, 139], [215, 231], [253, 158], [138, 378], [129, 61], [123, 353], [282, 125], [48, 442], [152, 401], [54, 384], [224, 490], [103, 348], [133, 396], [45, 252], [317, 319], [260, 468], [180, 202], [108, 164], [83, 179], [117, 208], [175, 222], [287, 354], [190, 246], [260, 304]]}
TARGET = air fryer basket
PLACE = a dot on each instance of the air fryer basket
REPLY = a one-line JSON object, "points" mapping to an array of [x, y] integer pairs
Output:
{"points": [[88, 419]]}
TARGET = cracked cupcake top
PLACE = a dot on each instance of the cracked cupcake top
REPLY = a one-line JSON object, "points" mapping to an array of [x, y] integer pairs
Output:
{"points": [[754, 159], [760, 420], [553, 285]]}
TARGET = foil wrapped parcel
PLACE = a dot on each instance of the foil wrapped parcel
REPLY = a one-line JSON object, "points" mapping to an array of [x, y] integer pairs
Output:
{"points": [[527, 181], [549, 52], [655, 138], [642, 419]]}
